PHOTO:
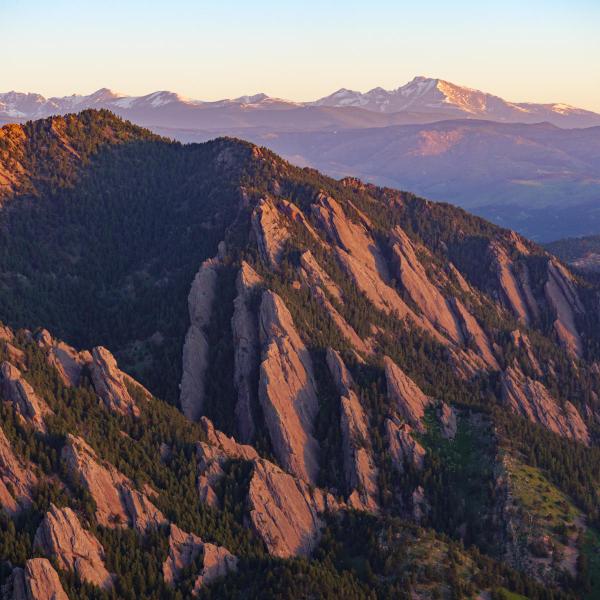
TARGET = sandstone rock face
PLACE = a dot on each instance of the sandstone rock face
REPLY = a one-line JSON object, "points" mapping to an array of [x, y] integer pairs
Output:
{"points": [[532, 399], [359, 467], [37, 581], [195, 348], [316, 275], [403, 447], [284, 510], [118, 503], [434, 306], [17, 479], [270, 231], [287, 390], [448, 421], [244, 325], [405, 394], [521, 340], [28, 405], [64, 358], [562, 296], [61, 536], [109, 383], [184, 549], [212, 455], [516, 291]]}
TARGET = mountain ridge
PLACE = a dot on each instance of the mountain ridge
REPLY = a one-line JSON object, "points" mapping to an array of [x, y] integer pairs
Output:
{"points": [[350, 359]]}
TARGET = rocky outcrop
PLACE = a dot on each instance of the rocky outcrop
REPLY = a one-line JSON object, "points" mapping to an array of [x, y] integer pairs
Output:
{"points": [[562, 296], [405, 395], [287, 390], [284, 511], [270, 231], [402, 445], [448, 421], [530, 398], [17, 479], [16, 390], [64, 358], [432, 303], [118, 503], [314, 274], [185, 548], [359, 466], [37, 581], [516, 293], [521, 341], [195, 347], [61, 537], [212, 455], [110, 383], [244, 325]]}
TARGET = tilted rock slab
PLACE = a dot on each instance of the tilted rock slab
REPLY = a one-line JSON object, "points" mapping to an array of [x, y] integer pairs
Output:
{"points": [[64, 358], [360, 470], [287, 390], [37, 581], [109, 383], [246, 358], [284, 511], [531, 398], [195, 347], [184, 549], [118, 503], [61, 536], [16, 390], [17, 479], [402, 445], [562, 296], [405, 394]]}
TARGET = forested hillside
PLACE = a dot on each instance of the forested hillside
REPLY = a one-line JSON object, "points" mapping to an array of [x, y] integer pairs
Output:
{"points": [[296, 387]]}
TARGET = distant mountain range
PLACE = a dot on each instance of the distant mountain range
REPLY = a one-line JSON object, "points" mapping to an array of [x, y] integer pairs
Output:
{"points": [[421, 100], [530, 167]]}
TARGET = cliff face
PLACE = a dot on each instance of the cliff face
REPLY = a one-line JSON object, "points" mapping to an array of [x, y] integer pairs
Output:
{"points": [[287, 390]]}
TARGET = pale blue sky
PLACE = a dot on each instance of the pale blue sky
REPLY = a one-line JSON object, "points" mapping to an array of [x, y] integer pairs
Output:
{"points": [[527, 50]]}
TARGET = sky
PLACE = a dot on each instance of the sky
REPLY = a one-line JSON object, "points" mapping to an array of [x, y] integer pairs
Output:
{"points": [[526, 50]]}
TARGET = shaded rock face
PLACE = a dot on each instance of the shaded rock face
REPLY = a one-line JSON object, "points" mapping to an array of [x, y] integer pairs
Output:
{"points": [[28, 405], [61, 536], [521, 340], [403, 446], [118, 503], [17, 479], [37, 581], [360, 470], [185, 548], [532, 399], [211, 457], [405, 395], [516, 292], [448, 421], [109, 383], [195, 348], [284, 511], [562, 296], [287, 390], [270, 231], [317, 275], [64, 358], [244, 325]]}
